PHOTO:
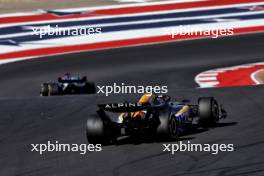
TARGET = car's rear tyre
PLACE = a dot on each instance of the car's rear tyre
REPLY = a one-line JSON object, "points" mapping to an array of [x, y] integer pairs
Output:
{"points": [[208, 111], [59, 79], [168, 127], [53, 89], [44, 91], [84, 79], [96, 131], [90, 88]]}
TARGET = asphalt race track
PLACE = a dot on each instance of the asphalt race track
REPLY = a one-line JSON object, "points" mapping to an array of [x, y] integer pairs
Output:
{"points": [[27, 118]]}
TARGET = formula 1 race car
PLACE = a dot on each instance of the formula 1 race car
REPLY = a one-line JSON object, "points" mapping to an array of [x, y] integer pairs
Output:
{"points": [[68, 84], [153, 116]]}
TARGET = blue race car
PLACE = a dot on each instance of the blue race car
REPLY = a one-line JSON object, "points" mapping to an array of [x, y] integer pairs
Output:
{"points": [[154, 116], [68, 84]]}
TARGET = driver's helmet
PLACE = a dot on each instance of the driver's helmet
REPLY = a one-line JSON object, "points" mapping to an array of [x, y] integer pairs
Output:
{"points": [[147, 99]]}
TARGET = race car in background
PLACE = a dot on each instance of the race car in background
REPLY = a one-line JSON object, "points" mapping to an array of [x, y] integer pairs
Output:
{"points": [[68, 84], [153, 116]]}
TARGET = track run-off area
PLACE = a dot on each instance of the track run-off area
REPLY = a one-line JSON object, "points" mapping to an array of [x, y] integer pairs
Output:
{"points": [[26, 118]]}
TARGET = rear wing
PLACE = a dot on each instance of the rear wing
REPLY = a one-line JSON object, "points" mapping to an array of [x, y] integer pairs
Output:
{"points": [[70, 81], [123, 107]]}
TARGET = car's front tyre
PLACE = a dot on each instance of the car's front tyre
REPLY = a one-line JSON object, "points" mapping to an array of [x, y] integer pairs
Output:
{"points": [[54, 89], [208, 111], [168, 127], [44, 90]]}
